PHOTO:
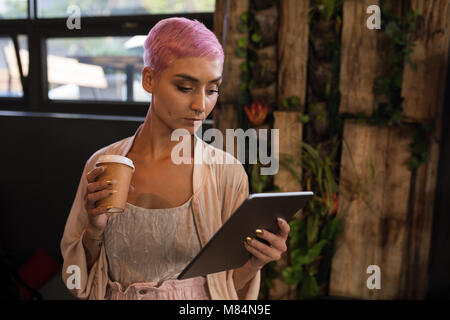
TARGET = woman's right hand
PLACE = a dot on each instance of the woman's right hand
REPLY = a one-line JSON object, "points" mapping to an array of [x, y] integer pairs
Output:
{"points": [[96, 191]]}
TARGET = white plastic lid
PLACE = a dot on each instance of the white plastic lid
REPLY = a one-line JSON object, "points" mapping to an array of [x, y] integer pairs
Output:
{"points": [[115, 158]]}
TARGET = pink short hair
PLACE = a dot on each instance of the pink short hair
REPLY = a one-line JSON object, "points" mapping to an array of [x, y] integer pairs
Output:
{"points": [[176, 38]]}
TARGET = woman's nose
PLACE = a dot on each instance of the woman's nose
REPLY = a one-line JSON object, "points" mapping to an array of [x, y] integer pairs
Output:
{"points": [[198, 106]]}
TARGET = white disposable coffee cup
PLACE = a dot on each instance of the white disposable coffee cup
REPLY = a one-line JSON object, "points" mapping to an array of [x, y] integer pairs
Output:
{"points": [[117, 168]]}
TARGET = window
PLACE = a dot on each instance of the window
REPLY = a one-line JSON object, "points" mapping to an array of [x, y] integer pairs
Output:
{"points": [[13, 9], [96, 69], [89, 8], [10, 84]]}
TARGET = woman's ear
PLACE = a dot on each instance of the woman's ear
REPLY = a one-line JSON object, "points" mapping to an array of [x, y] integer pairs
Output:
{"points": [[148, 79]]}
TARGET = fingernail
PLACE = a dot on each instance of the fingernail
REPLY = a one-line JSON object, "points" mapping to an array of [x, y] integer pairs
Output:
{"points": [[248, 240], [259, 232], [279, 219], [110, 182], [112, 191]]}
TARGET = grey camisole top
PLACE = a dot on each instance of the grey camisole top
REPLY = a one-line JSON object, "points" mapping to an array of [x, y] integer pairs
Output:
{"points": [[150, 245]]}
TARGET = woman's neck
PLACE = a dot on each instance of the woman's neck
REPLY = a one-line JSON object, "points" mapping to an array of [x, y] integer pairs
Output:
{"points": [[153, 142]]}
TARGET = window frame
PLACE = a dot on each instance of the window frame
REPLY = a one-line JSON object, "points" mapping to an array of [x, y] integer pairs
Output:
{"points": [[38, 30]]}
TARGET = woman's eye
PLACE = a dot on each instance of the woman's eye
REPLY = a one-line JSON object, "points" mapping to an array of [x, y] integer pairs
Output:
{"points": [[184, 89], [213, 91]]}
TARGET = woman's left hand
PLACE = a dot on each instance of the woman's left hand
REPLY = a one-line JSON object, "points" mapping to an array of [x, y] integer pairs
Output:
{"points": [[262, 253]]}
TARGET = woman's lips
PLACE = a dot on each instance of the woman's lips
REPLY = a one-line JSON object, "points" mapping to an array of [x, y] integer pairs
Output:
{"points": [[192, 120]]}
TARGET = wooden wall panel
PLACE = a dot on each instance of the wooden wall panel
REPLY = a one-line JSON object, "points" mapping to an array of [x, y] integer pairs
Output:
{"points": [[424, 89], [358, 58], [293, 49], [373, 205], [290, 139], [224, 115], [420, 225], [424, 92], [397, 237]]}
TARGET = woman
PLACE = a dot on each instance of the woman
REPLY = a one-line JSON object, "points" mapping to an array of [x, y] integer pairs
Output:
{"points": [[172, 210]]}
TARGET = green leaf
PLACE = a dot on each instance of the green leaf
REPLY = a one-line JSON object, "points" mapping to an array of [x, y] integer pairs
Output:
{"points": [[315, 251], [308, 288], [331, 229], [314, 155], [292, 275], [312, 271], [312, 229], [256, 37], [334, 151], [320, 117], [299, 257], [294, 101], [304, 118], [244, 16], [392, 29], [413, 163], [241, 52], [243, 27], [242, 42], [297, 234]]}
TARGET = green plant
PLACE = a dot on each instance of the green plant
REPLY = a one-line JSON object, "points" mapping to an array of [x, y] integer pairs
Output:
{"points": [[258, 182], [268, 274], [312, 236], [420, 148], [291, 103], [389, 86], [327, 10]]}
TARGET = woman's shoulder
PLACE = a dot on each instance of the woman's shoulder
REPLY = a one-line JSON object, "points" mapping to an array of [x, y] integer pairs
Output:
{"points": [[225, 166]]}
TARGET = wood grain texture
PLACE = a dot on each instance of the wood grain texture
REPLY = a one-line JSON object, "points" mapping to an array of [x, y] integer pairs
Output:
{"points": [[424, 98], [293, 49], [219, 17], [373, 205], [225, 118], [232, 65], [420, 226], [224, 114], [290, 139], [424, 90], [358, 58]]}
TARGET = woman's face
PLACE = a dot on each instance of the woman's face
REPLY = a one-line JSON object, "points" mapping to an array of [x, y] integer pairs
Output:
{"points": [[187, 89]]}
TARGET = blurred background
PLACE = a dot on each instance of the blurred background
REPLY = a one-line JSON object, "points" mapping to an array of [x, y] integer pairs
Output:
{"points": [[361, 111]]}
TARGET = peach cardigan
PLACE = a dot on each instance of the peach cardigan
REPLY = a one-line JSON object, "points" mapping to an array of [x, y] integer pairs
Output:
{"points": [[218, 189]]}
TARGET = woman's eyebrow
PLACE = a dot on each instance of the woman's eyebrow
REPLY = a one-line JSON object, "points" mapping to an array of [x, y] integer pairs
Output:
{"points": [[191, 78]]}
